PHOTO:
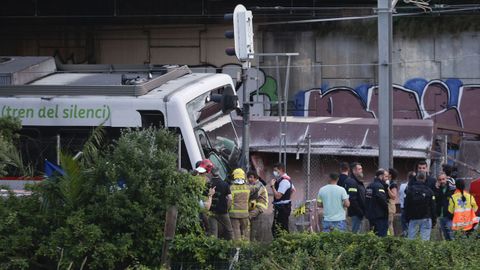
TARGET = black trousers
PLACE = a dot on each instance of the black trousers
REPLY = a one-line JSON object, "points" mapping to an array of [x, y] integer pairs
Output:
{"points": [[379, 226], [281, 214]]}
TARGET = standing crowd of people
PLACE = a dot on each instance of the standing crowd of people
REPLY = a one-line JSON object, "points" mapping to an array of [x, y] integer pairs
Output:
{"points": [[233, 209], [423, 200]]}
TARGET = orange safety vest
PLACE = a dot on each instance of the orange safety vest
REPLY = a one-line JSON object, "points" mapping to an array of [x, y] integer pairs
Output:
{"points": [[464, 217]]}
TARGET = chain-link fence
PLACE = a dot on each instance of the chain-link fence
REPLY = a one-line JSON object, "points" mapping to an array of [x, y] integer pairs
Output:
{"points": [[315, 169]]}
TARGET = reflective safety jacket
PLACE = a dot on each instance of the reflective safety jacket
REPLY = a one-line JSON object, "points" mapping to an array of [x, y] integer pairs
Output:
{"points": [[464, 217], [258, 199], [240, 199]]}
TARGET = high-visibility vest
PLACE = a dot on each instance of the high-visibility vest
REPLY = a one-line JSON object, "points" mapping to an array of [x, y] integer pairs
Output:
{"points": [[464, 217], [240, 195], [258, 197]]}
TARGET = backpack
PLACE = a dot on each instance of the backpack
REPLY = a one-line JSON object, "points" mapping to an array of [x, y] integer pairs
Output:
{"points": [[418, 197]]}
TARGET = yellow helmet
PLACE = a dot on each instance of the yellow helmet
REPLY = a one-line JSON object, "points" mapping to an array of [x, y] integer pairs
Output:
{"points": [[238, 174]]}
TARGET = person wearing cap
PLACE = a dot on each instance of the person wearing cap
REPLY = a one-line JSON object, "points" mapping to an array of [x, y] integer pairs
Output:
{"points": [[206, 200], [282, 189], [239, 210], [203, 167], [218, 218], [258, 204]]}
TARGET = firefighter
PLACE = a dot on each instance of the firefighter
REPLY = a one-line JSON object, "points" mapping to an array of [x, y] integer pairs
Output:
{"points": [[239, 209], [258, 204]]}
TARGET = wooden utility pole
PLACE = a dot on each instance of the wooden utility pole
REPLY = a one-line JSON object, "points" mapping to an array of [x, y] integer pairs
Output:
{"points": [[169, 233]]}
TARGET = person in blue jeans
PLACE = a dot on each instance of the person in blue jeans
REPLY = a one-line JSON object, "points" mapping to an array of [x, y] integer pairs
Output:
{"points": [[420, 208], [443, 191], [334, 200]]}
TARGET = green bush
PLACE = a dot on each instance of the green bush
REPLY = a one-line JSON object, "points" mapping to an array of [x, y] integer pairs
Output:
{"points": [[330, 251], [11, 162], [107, 212]]}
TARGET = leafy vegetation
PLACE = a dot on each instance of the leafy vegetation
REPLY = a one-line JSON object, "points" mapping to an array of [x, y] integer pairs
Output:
{"points": [[328, 251], [106, 212], [10, 158]]}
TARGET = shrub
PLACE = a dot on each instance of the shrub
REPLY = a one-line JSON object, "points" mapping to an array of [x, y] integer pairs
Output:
{"points": [[331, 251], [106, 212]]}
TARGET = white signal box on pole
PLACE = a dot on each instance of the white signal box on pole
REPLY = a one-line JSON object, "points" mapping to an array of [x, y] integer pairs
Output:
{"points": [[242, 33]]}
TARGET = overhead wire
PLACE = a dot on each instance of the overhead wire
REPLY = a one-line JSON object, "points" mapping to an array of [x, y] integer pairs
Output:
{"points": [[370, 16]]}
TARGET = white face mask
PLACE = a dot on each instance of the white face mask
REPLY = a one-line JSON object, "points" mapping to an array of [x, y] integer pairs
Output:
{"points": [[387, 182], [276, 174]]}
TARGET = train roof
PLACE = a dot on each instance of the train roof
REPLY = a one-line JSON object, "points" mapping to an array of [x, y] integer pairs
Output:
{"points": [[41, 76]]}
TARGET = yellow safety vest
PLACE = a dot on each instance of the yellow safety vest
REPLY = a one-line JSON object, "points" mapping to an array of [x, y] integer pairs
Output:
{"points": [[240, 196], [258, 197], [464, 217]]}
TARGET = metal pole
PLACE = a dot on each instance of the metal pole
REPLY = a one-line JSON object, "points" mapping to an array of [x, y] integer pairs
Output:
{"points": [[309, 151], [246, 118], [58, 149], [308, 221], [279, 107], [179, 151], [385, 110], [285, 110], [445, 149]]}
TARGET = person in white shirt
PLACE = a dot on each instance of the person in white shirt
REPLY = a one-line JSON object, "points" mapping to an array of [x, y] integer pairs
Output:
{"points": [[282, 189]]}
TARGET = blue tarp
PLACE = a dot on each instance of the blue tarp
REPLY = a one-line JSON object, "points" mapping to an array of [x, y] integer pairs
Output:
{"points": [[51, 168]]}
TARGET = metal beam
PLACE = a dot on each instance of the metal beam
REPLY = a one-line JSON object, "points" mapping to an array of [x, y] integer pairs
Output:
{"points": [[456, 128]]}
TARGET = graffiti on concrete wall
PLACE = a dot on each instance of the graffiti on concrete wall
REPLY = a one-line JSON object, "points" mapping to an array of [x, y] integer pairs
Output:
{"points": [[448, 102]]}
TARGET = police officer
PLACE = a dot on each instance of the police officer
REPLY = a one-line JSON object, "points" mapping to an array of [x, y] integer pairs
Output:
{"points": [[282, 189], [376, 203]]}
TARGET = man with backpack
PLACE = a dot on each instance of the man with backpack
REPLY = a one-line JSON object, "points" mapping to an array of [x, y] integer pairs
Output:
{"points": [[420, 208], [422, 166]]}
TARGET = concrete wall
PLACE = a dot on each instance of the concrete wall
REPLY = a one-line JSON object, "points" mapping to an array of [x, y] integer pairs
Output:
{"points": [[330, 55], [179, 44]]}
